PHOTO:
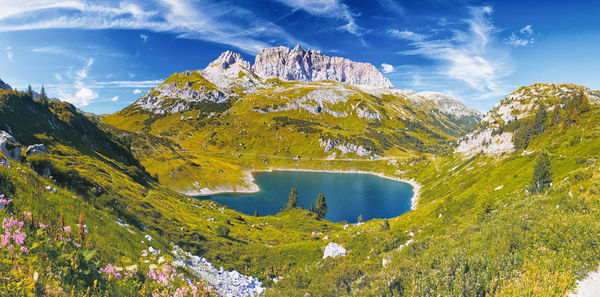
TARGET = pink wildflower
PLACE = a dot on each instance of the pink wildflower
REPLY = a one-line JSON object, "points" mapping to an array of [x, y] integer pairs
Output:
{"points": [[24, 250], [12, 229], [110, 270], [67, 229], [4, 202], [42, 225], [78, 245]]}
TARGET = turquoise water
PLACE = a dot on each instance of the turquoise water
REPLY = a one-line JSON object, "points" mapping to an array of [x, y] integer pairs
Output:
{"points": [[348, 195]]}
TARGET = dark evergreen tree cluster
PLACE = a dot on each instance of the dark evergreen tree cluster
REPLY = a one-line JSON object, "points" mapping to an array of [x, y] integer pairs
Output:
{"points": [[321, 206], [528, 129], [542, 174], [292, 199]]}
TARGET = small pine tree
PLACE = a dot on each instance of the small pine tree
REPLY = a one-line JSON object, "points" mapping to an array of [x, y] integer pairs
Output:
{"points": [[321, 206], [360, 219], [256, 213], [29, 91], [292, 199], [539, 123], [542, 174], [312, 207], [385, 225], [523, 136], [43, 98]]}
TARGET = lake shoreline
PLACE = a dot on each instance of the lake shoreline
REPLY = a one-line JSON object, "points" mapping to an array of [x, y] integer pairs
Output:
{"points": [[253, 187]]}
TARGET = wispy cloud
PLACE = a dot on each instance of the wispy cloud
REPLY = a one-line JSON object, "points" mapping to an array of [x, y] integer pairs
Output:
{"points": [[216, 22], [9, 53], [523, 37], [387, 68], [137, 91], [81, 93], [144, 37], [333, 9], [470, 54]]}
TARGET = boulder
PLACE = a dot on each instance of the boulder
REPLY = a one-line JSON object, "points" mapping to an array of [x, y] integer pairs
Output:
{"points": [[35, 149], [334, 250], [9, 146]]}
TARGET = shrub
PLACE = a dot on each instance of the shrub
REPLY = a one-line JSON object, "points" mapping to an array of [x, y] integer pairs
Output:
{"points": [[385, 225], [222, 231], [542, 174]]}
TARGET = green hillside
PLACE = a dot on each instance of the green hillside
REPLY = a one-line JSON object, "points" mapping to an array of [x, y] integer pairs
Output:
{"points": [[477, 231], [211, 146]]}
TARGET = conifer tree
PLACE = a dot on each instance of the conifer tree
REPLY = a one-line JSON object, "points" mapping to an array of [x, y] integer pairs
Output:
{"points": [[29, 91], [43, 98], [539, 123], [385, 225], [256, 213], [542, 174], [321, 206], [360, 219], [312, 207], [292, 199]]}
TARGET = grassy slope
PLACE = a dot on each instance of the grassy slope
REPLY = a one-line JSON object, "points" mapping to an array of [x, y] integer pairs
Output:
{"points": [[261, 246], [246, 139], [476, 231], [470, 239]]}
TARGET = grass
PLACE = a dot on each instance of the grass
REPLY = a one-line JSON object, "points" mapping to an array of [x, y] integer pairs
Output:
{"points": [[476, 231]]}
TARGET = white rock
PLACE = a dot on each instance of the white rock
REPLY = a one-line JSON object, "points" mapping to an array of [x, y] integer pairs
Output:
{"points": [[36, 149], [334, 250], [9, 146]]}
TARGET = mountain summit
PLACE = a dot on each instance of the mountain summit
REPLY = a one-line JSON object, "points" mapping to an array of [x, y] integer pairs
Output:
{"points": [[308, 65], [4, 86]]}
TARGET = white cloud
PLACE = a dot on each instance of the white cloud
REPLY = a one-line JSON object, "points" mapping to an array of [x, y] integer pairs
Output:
{"points": [[334, 9], [114, 99], [527, 30], [83, 97], [523, 37], [387, 68], [9, 53], [137, 91], [83, 93], [216, 22], [408, 35], [470, 55], [144, 37], [58, 76]]}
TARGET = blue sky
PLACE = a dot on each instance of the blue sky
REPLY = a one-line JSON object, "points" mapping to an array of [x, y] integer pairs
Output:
{"points": [[103, 55]]}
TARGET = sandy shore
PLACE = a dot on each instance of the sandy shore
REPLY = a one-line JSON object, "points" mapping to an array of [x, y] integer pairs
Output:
{"points": [[252, 187]]}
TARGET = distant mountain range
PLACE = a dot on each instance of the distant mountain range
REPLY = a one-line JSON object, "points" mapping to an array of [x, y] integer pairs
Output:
{"points": [[331, 108]]}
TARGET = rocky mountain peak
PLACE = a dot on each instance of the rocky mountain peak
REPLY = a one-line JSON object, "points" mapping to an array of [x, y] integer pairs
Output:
{"points": [[228, 59], [4, 86], [308, 65], [298, 48], [450, 105]]}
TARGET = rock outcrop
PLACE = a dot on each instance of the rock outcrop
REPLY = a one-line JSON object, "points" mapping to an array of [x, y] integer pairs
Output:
{"points": [[308, 65], [36, 149], [226, 283], [449, 105], [490, 139], [9, 146], [4, 86], [334, 250]]}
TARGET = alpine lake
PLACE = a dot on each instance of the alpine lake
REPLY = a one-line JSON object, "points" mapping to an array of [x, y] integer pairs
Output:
{"points": [[347, 195]]}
